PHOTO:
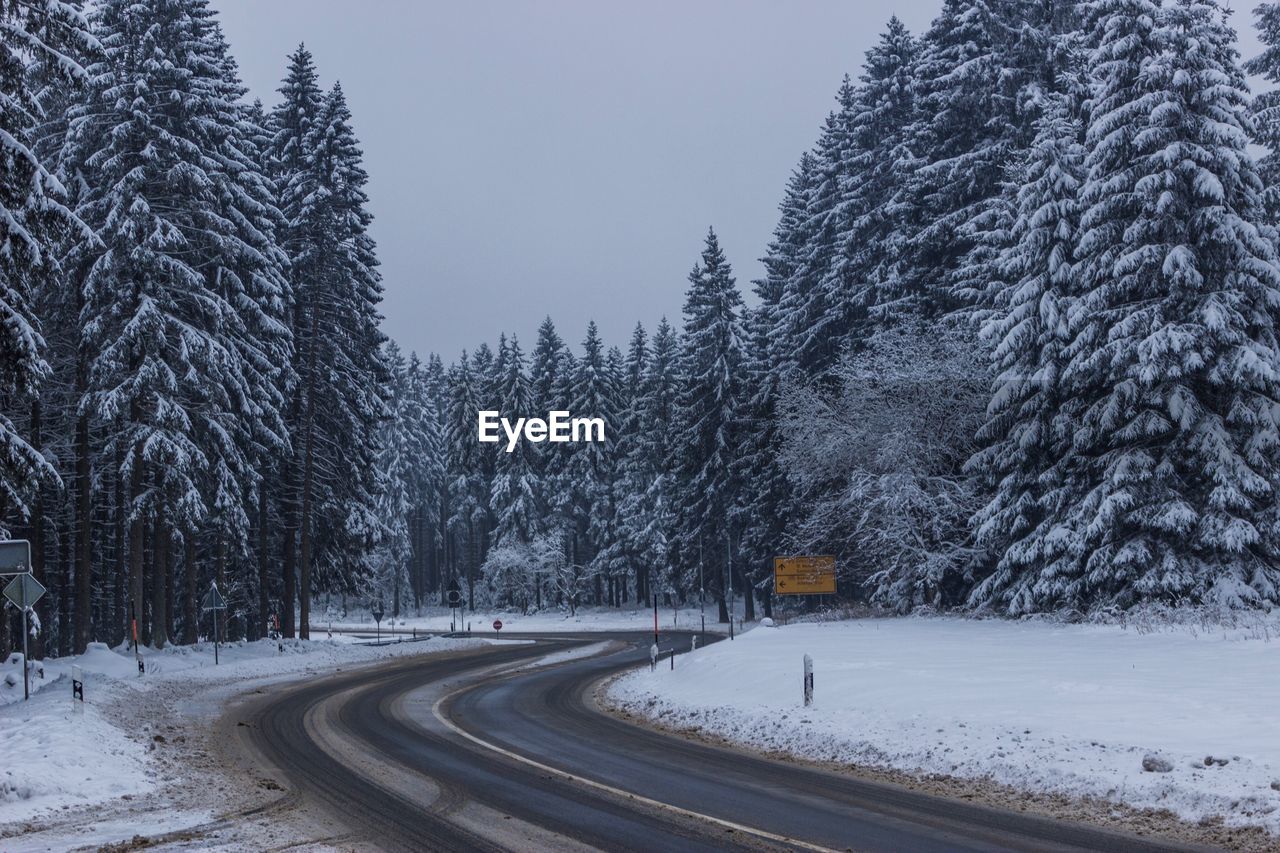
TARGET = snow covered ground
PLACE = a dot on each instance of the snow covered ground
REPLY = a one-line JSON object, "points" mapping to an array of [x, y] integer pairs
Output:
{"points": [[629, 618], [1070, 709], [56, 757]]}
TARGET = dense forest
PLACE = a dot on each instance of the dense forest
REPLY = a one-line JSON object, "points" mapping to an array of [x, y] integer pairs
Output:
{"points": [[1015, 347]]}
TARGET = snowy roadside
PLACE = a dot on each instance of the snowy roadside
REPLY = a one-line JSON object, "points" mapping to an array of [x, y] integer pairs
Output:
{"points": [[117, 750], [438, 619], [1073, 710]]}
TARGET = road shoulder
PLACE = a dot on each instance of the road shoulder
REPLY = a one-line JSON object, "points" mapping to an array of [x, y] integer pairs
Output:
{"points": [[1148, 823]]}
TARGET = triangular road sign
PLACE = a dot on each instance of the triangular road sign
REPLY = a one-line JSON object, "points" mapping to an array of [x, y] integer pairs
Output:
{"points": [[213, 600]]}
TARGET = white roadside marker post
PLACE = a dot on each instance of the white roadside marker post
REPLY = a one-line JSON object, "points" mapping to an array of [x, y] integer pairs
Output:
{"points": [[77, 690], [808, 681]]}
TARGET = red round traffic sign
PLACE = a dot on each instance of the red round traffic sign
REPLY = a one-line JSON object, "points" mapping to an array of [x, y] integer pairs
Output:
{"points": [[497, 624]]}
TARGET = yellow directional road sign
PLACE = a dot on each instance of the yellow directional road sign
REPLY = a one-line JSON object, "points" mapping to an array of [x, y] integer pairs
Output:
{"points": [[804, 575]]}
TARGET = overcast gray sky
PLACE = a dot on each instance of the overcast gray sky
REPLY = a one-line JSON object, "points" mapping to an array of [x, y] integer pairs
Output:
{"points": [[565, 157]]}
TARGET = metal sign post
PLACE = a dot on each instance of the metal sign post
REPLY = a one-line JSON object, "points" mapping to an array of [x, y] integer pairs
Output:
{"points": [[728, 567], [214, 601], [376, 610], [497, 626], [24, 591]]}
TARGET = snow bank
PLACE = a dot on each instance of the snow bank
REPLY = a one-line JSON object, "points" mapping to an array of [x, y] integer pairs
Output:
{"points": [[52, 756], [1073, 709]]}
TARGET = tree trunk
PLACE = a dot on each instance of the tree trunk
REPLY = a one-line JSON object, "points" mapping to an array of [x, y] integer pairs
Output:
{"points": [[304, 572], [264, 565], [36, 644], [159, 583], [84, 531], [308, 479], [191, 613], [220, 578], [122, 554], [66, 590], [289, 570], [170, 594], [137, 551]]}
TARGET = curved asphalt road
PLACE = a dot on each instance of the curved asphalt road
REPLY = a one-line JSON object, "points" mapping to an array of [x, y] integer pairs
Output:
{"points": [[465, 754]]}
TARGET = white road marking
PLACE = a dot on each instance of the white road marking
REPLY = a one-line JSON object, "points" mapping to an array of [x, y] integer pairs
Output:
{"points": [[591, 783]]}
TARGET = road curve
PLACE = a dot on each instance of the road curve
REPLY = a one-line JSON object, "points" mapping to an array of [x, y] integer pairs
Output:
{"points": [[480, 751]]}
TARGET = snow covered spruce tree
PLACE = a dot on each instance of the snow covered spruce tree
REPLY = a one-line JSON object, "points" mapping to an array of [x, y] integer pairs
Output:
{"points": [[33, 218], [1266, 105], [1028, 427], [761, 507], [339, 358], [408, 459], [41, 52], [589, 470], [254, 280], [515, 498], [181, 299], [707, 409], [544, 371], [883, 111], [1171, 480], [629, 533], [429, 527], [289, 125], [958, 144], [813, 310], [468, 494], [646, 499]]}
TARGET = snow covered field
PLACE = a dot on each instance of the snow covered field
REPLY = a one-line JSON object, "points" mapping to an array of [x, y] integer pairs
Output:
{"points": [[1070, 709], [55, 758], [627, 618]]}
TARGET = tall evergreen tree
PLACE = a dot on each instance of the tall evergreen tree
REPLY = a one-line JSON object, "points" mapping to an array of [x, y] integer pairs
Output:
{"points": [[632, 474], [182, 366], [813, 315], [544, 373], [1173, 360], [33, 218], [959, 145], [515, 499], [468, 492], [883, 110], [339, 345], [1028, 428], [706, 416], [589, 470], [1266, 105], [291, 124]]}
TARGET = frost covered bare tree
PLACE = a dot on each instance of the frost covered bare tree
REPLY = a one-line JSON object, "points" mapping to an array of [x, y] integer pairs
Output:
{"points": [[877, 465]]}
